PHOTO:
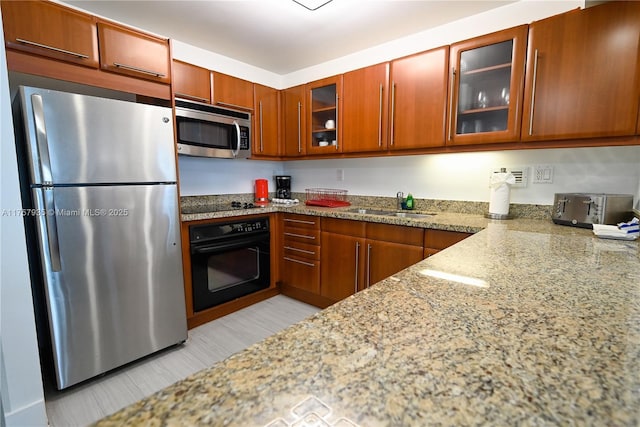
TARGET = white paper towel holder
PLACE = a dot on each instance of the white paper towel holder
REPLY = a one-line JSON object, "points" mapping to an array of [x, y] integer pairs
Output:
{"points": [[499, 216]]}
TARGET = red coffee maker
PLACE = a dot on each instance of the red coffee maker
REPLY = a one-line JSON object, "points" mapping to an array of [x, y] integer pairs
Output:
{"points": [[262, 192]]}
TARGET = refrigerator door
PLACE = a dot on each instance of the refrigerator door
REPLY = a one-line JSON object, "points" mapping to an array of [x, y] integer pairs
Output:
{"points": [[78, 139], [113, 275]]}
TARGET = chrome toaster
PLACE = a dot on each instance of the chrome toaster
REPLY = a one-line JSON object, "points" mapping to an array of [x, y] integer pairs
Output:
{"points": [[586, 209]]}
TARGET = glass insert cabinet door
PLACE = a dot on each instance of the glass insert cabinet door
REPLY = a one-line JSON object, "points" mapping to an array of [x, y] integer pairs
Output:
{"points": [[325, 115], [487, 78]]}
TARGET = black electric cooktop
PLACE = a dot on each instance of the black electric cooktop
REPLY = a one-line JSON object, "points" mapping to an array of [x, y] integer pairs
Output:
{"points": [[233, 206]]}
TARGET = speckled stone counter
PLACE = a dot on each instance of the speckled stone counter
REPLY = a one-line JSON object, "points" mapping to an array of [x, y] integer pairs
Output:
{"points": [[524, 323]]}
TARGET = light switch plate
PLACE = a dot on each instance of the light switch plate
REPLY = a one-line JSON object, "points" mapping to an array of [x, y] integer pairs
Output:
{"points": [[542, 174]]}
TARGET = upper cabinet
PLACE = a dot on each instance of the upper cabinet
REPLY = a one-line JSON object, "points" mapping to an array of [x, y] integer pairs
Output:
{"points": [[583, 74], [324, 116], [229, 91], [191, 82], [418, 100], [132, 53], [51, 30], [487, 77], [364, 111], [293, 121], [266, 127]]}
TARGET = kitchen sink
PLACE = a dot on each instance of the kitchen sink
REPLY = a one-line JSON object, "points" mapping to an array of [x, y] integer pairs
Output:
{"points": [[390, 213]]}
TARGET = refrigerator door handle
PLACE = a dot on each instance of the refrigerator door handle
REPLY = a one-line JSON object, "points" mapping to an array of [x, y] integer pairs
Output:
{"points": [[41, 139], [48, 209]]}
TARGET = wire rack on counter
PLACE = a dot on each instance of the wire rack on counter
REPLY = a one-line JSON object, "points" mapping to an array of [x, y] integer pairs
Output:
{"points": [[327, 197]]}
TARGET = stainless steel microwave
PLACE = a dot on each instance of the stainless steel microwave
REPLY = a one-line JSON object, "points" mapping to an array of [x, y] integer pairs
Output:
{"points": [[207, 131]]}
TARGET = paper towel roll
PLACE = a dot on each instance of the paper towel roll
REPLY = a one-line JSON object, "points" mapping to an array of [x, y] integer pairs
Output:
{"points": [[500, 192], [499, 200]]}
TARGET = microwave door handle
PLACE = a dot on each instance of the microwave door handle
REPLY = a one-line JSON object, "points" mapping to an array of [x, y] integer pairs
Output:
{"points": [[237, 150]]}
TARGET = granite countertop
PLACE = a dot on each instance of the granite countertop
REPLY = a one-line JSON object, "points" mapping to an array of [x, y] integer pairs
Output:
{"points": [[523, 323]]}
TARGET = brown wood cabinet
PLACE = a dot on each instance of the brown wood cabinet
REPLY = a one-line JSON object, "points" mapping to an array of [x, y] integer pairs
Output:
{"points": [[300, 259], [437, 240], [229, 91], [50, 30], [487, 78], [129, 52], [191, 82], [266, 127], [324, 116], [294, 121], [365, 109], [418, 101], [356, 254], [583, 74]]}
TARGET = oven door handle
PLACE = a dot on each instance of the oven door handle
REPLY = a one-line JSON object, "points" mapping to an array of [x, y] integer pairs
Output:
{"points": [[221, 247]]}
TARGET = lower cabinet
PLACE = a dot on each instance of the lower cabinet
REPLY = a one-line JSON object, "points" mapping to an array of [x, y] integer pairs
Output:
{"points": [[437, 240], [325, 260], [357, 254], [300, 258]]}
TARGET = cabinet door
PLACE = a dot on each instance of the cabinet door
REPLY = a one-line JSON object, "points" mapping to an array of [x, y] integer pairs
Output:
{"points": [[582, 76], [233, 92], [324, 116], [129, 52], [191, 82], [436, 240], [342, 272], [266, 121], [386, 258], [418, 104], [51, 30], [364, 109], [294, 120], [487, 78]]}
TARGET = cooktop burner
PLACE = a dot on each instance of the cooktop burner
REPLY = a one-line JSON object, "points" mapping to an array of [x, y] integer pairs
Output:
{"points": [[219, 208]]}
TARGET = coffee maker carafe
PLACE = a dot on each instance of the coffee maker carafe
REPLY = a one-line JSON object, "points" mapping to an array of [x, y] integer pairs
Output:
{"points": [[283, 186]]}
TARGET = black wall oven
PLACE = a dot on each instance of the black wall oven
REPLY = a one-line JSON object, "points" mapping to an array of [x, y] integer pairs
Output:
{"points": [[228, 260]]}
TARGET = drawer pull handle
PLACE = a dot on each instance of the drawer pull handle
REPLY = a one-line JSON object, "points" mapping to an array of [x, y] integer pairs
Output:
{"points": [[302, 236], [195, 98], [300, 262], [139, 70], [55, 49], [227, 104], [300, 221], [300, 250]]}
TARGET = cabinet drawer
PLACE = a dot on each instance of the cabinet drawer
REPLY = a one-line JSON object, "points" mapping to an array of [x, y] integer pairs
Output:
{"points": [[301, 221], [441, 239], [395, 234], [128, 52], [302, 235], [301, 273], [292, 248], [344, 226]]}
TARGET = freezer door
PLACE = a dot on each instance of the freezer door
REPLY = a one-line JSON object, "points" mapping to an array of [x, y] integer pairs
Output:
{"points": [[77, 139], [116, 293]]}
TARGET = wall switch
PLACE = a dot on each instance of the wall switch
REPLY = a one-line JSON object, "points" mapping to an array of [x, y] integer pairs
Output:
{"points": [[520, 173], [340, 174], [543, 174]]}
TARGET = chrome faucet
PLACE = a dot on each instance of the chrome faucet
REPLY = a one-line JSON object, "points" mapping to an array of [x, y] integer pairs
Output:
{"points": [[399, 200]]}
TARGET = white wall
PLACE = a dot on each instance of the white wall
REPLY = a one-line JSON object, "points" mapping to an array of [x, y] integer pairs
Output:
{"points": [[465, 176], [202, 176], [22, 392]]}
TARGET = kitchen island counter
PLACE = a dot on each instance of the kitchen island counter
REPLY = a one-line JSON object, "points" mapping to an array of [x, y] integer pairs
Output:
{"points": [[518, 324]]}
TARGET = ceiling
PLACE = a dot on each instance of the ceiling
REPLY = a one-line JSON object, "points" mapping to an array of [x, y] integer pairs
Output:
{"points": [[282, 36]]}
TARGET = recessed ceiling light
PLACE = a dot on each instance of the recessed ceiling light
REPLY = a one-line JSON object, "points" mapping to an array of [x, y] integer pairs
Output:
{"points": [[312, 4]]}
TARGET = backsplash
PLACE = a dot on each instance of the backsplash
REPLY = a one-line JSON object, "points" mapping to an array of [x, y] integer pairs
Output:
{"points": [[197, 203]]}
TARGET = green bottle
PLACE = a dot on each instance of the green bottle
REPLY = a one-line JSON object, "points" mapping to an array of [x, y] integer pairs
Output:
{"points": [[409, 201]]}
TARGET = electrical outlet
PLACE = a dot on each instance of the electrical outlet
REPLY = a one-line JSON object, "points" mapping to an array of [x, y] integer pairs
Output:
{"points": [[543, 174], [340, 174]]}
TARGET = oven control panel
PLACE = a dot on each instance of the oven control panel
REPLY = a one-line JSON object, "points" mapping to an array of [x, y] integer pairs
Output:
{"points": [[209, 232]]}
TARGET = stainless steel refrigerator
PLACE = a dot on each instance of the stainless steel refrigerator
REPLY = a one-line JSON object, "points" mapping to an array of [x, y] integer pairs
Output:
{"points": [[101, 184]]}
